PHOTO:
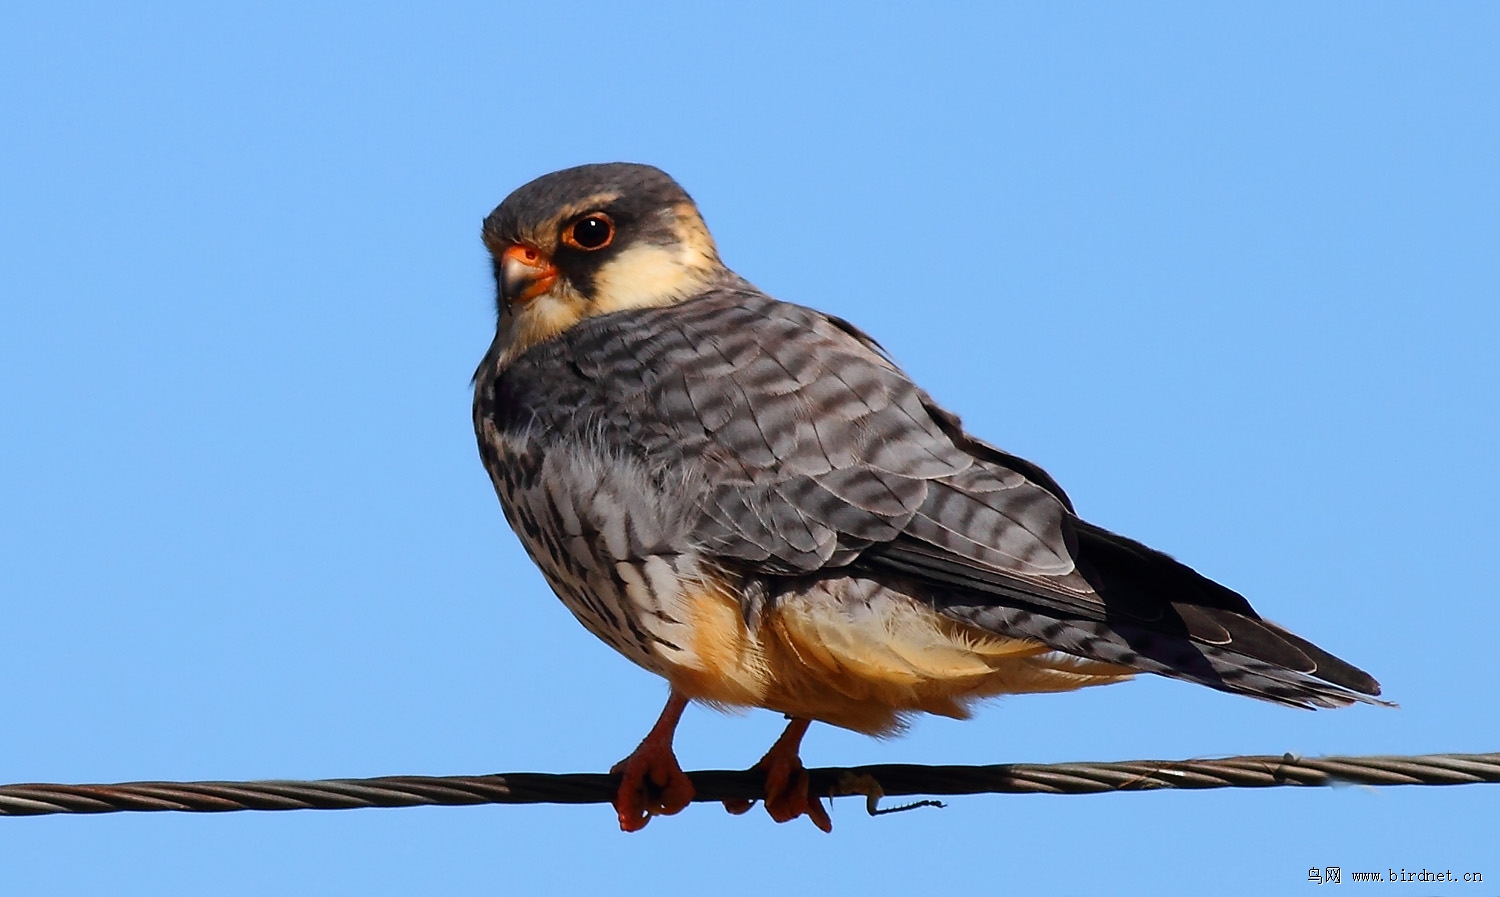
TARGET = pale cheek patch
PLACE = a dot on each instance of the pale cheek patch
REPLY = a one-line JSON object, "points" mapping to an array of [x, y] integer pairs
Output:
{"points": [[648, 276], [642, 276]]}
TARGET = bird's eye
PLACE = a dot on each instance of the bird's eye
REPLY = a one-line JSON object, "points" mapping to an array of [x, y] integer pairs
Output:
{"points": [[590, 232]]}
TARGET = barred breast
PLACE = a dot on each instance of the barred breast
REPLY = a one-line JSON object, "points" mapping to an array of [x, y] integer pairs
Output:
{"points": [[606, 537]]}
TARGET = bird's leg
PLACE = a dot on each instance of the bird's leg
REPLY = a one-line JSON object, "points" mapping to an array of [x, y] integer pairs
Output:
{"points": [[651, 782], [787, 781]]}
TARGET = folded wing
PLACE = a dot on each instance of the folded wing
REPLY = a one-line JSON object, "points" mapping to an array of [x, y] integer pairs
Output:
{"points": [[819, 454]]}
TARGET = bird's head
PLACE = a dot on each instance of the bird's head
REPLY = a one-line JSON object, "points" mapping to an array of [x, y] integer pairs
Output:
{"points": [[590, 240]]}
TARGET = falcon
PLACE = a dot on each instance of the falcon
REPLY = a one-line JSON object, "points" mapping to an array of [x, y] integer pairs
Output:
{"points": [[750, 499]]}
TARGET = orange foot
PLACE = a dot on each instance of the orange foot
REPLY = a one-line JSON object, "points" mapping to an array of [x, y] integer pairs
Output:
{"points": [[651, 781], [786, 782]]}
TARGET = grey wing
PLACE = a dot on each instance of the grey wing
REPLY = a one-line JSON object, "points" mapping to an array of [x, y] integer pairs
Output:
{"points": [[816, 449], [818, 454]]}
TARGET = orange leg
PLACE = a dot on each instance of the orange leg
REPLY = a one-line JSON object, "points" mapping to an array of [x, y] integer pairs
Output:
{"points": [[651, 782], [786, 781]]}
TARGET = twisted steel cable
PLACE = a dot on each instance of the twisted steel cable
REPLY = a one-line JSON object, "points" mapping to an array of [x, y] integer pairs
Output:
{"points": [[873, 782]]}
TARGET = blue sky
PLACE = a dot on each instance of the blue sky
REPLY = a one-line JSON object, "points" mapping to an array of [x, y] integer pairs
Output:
{"points": [[1229, 273]]}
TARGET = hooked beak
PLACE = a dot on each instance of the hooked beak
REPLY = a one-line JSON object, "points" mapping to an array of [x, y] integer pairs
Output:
{"points": [[525, 273]]}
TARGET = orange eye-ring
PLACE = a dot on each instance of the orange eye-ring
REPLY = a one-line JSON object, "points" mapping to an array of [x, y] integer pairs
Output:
{"points": [[592, 231]]}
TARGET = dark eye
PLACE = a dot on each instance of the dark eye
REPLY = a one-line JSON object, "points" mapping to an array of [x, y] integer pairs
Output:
{"points": [[590, 232]]}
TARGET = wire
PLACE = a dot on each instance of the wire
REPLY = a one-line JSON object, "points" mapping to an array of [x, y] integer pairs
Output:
{"points": [[873, 782]]}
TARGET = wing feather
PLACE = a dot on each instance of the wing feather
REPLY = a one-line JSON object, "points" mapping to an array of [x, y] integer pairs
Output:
{"points": [[817, 453]]}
